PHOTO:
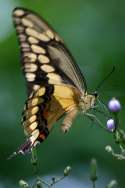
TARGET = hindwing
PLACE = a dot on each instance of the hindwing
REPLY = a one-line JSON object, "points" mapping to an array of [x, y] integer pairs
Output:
{"points": [[43, 108]]}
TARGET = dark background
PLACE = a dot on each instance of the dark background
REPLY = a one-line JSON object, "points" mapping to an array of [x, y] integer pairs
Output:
{"points": [[94, 32]]}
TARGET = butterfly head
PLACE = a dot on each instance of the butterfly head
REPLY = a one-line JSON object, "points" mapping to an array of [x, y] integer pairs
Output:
{"points": [[88, 101]]}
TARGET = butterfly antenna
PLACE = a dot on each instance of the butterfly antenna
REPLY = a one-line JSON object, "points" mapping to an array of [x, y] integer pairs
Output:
{"points": [[104, 110], [106, 78], [104, 105]]}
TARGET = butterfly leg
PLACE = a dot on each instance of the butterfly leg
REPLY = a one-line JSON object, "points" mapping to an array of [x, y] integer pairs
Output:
{"points": [[70, 116], [94, 118]]}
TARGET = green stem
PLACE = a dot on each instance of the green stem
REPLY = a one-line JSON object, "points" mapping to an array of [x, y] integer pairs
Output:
{"points": [[93, 184], [53, 182], [45, 183], [34, 160], [57, 180]]}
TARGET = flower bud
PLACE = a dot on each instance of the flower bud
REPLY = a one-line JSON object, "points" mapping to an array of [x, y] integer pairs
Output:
{"points": [[108, 148], [23, 184], [93, 172], [67, 170], [112, 184], [38, 184], [114, 105], [111, 125]]}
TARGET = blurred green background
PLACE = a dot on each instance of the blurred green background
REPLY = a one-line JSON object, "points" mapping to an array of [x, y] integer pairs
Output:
{"points": [[94, 31]]}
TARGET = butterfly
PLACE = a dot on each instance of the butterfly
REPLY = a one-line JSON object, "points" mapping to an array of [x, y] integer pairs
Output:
{"points": [[55, 84]]}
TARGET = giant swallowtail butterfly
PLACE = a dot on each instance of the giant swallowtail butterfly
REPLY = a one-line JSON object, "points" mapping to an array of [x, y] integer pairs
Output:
{"points": [[55, 84]]}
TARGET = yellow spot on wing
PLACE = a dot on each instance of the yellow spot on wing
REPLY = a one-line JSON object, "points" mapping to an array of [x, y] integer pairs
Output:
{"points": [[30, 67], [38, 49], [35, 135], [32, 40], [25, 45], [43, 59], [67, 96], [25, 49], [36, 87], [63, 91], [30, 77], [17, 20], [34, 110], [33, 102], [66, 103], [41, 92], [54, 78], [32, 118], [37, 35], [18, 12], [31, 32], [50, 34], [22, 37], [27, 22], [20, 29], [47, 68], [32, 57], [33, 125], [58, 39], [43, 37]]}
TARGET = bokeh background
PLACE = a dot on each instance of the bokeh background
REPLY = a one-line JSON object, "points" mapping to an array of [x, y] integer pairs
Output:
{"points": [[94, 31]]}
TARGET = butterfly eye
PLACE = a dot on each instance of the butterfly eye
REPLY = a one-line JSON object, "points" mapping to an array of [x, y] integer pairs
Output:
{"points": [[95, 94]]}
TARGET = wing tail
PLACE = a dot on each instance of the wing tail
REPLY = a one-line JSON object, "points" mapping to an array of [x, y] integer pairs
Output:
{"points": [[23, 149]]}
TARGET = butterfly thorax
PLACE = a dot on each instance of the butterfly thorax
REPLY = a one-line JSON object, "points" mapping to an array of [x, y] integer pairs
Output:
{"points": [[86, 102]]}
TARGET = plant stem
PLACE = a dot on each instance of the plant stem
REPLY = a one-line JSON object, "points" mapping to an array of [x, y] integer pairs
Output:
{"points": [[57, 180], [93, 184], [34, 160]]}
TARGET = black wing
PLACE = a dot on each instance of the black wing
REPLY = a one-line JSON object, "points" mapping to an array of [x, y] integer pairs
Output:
{"points": [[44, 57]]}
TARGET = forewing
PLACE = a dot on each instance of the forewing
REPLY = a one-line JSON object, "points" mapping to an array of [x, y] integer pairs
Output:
{"points": [[44, 57]]}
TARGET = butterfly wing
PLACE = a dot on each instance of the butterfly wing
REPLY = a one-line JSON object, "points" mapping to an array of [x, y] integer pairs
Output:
{"points": [[44, 56], [50, 71]]}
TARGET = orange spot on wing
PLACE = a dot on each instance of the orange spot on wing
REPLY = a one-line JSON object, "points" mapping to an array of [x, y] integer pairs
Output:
{"points": [[45, 113], [42, 136]]}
